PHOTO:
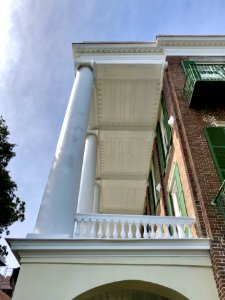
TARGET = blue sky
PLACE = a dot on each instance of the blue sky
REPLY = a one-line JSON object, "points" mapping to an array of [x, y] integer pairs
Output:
{"points": [[36, 67]]}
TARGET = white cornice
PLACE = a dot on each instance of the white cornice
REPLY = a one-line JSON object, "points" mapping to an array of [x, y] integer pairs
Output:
{"points": [[164, 45], [191, 41], [115, 48]]}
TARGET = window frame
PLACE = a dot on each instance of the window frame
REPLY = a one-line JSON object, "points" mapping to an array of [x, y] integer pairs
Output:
{"points": [[176, 204], [154, 193]]}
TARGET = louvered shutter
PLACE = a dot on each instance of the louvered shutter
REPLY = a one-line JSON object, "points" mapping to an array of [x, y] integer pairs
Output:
{"points": [[180, 193], [151, 195], [165, 121], [216, 141], [169, 206], [162, 158], [189, 67]]}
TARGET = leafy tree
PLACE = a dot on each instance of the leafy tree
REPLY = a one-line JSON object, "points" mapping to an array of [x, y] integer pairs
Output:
{"points": [[11, 207]]}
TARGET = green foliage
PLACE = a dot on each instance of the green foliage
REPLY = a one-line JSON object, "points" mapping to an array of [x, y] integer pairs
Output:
{"points": [[11, 207]]}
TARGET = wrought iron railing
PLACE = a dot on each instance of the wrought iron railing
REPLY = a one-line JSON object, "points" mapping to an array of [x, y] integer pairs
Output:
{"points": [[202, 72], [219, 201]]}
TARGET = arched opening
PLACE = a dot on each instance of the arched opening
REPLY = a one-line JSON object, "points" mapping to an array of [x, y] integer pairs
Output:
{"points": [[131, 290]]}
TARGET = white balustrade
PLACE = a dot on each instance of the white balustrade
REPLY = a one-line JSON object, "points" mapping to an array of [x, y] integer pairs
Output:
{"points": [[105, 226]]}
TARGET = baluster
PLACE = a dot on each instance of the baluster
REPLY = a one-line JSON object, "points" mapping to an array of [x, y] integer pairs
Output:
{"points": [[123, 233], [93, 229], [166, 231], [77, 229], [100, 234], [180, 230], [159, 232], [130, 234], [85, 229], [107, 232], [145, 230], [152, 233], [138, 233], [115, 230], [175, 235], [190, 235]]}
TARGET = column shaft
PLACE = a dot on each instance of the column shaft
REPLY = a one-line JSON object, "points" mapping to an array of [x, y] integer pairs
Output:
{"points": [[96, 203], [86, 194], [56, 214]]}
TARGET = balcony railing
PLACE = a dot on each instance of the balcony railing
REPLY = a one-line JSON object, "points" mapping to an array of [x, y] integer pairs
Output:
{"points": [[205, 85], [220, 199], [105, 226]]}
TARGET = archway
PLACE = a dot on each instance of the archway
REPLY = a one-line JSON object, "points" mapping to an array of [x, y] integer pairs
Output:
{"points": [[131, 290]]}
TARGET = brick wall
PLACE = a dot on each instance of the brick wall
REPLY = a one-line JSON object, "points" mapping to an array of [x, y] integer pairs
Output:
{"points": [[200, 180]]}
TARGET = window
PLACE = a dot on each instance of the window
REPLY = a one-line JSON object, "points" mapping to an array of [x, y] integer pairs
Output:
{"points": [[164, 135], [161, 153], [175, 202], [165, 127], [216, 141], [153, 194]]}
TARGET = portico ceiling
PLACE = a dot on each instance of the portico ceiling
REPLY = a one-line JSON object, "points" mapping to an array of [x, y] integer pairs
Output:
{"points": [[124, 113], [128, 78]]}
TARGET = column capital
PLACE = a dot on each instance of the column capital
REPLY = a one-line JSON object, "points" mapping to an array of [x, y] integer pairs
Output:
{"points": [[92, 132], [91, 65]]}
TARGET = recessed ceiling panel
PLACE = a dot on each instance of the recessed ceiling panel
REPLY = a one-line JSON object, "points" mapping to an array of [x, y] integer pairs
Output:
{"points": [[124, 197], [125, 153], [127, 102]]}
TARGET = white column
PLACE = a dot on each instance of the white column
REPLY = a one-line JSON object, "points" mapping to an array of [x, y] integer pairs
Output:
{"points": [[86, 194], [59, 203], [97, 193]]}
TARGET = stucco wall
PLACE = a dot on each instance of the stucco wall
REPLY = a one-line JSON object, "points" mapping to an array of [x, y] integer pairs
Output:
{"points": [[66, 279]]}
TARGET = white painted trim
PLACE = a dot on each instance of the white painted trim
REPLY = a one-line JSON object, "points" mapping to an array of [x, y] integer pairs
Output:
{"points": [[182, 247], [220, 123], [121, 59], [199, 51], [149, 52]]}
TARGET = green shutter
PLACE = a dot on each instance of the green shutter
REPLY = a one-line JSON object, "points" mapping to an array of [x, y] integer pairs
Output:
{"points": [[186, 64], [157, 180], [151, 195], [216, 141], [170, 211], [190, 68], [180, 192], [162, 158], [169, 205], [165, 120]]}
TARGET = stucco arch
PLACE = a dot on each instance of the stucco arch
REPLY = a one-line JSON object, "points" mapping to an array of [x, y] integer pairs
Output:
{"points": [[143, 289]]}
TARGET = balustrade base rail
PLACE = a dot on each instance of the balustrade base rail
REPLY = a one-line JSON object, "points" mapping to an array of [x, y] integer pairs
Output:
{"points": [[104, 226]]}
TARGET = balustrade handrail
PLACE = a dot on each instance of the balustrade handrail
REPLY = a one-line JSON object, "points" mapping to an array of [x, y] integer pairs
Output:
{"points": [[153, 219], [115, 226]]}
